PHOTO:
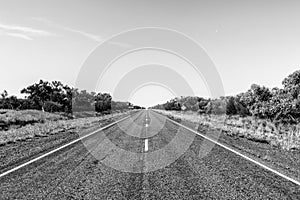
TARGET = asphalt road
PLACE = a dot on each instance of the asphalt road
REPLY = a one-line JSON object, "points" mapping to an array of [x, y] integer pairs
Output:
{"points": [[145, 156]]}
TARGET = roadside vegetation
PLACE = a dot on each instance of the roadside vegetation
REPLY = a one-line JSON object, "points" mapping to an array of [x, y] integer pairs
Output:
{"points": [[15, 119], [259, 130], [52, 107], [55, 97], [260, 114], [43, 124]]}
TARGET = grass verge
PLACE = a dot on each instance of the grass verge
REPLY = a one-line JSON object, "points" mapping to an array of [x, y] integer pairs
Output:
{"points": [[45, 124], [286, 137]]}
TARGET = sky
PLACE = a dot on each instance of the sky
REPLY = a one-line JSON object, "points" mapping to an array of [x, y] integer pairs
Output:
{"points": [[248, 42]]}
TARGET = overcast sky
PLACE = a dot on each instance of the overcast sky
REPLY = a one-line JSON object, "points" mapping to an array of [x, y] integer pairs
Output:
{"points": [[248, 41]]}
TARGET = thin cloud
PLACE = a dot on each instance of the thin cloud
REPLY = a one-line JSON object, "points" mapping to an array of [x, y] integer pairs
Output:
{"points": [[91, 36], [19, 35], [96, 38], [23, 32]]}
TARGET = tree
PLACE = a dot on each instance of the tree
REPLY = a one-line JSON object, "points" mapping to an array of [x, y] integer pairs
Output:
{"points": [[173, 104], [83, 100], [216, 107], [292, 84], [51, 97], [102, 102], [119, 105], [4, 94], [39, 93], [202, 104], [9, 102], [256, 100], [67, 99], [27, 104], [189, 102], [231, 107]]}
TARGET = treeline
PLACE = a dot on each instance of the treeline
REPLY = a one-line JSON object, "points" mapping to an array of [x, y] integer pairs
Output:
{"points": [[199, 104], [56, 97], [276, 104]]}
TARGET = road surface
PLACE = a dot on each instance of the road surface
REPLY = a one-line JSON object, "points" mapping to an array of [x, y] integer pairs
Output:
{"points": [[145, 156]]}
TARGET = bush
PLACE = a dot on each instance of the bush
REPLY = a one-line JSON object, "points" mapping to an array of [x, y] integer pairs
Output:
{"points": [[231, 107], [51, 106]]}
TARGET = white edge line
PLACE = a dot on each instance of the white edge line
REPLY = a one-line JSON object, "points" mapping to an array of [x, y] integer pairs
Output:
{"points": [[61, 147], [236, 152]]}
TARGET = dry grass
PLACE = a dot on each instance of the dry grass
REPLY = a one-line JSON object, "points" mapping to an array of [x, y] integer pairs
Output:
{"points": [[49, 127], [20, 118], [284, 136]]}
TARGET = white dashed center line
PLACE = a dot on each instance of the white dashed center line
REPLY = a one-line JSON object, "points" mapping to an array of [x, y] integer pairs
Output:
{"points": [[146, 145]]}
